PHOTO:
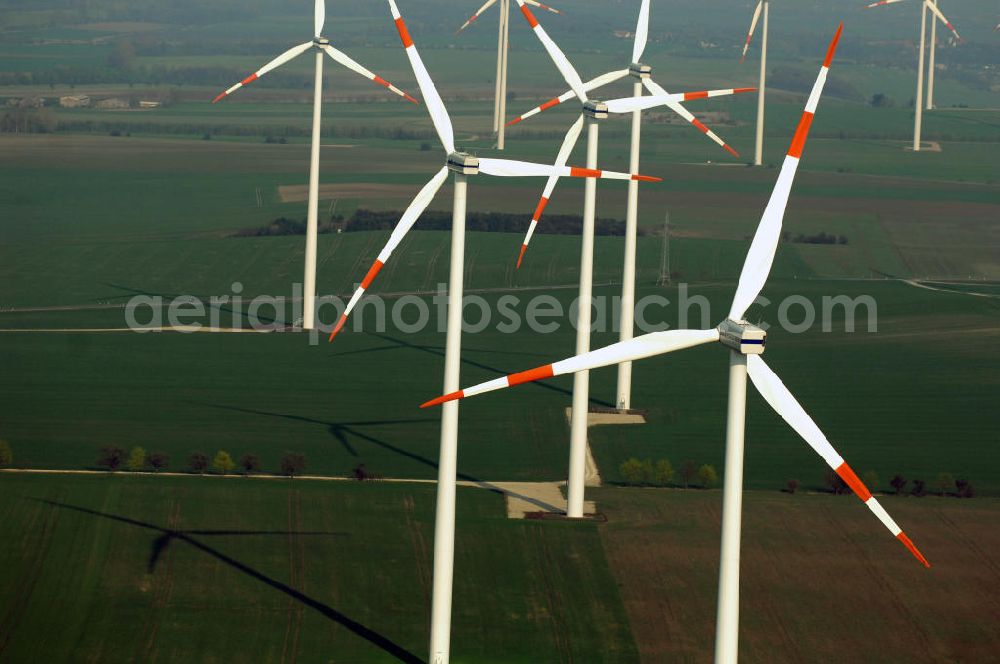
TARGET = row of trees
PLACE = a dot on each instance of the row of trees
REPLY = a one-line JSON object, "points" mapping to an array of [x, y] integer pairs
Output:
{"points": [[113, 457], [646, 472], [945, 484], [819, 238], [490, 222]]}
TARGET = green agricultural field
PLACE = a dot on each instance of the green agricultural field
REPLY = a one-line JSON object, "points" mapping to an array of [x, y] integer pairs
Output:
{"points": [[193, 569], [121, 568]]}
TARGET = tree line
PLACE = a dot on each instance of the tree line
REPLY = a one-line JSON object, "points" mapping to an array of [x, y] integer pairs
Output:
{"points": [[660, 473], [113, 458], [431, 220]]}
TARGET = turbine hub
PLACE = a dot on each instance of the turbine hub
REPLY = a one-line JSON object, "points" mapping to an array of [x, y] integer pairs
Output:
{"points": [[321, 41], [595, 110], [464, 163], [639, 70], [742, 336]]}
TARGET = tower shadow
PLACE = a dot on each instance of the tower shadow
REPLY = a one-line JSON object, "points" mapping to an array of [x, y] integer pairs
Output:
{"points": [[397, 344], [188, 536]]}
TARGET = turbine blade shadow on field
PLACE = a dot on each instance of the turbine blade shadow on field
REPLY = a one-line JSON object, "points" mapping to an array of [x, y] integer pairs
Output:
{"points": [[439, 351], [353, 626], [338, 429]]}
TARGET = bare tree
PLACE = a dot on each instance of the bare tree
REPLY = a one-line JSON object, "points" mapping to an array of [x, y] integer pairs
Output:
{"points": [[898, 483], [159, 461], [293, 463], [198, 462], [688, 472], [250, 463], [111, 457]]}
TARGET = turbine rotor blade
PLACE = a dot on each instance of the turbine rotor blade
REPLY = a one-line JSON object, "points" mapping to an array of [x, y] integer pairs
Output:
{"points": [[647, 345], [560, 60], [535, 3], [343, 59], [320, 17], [486, 5], [937, 12], [527, 169], [641, 31], [569, 142], [781, 399], [600, 81], [760, 257], [436, 108], [629, 104], [753, 26], [406, 222], [882, 2], [288, 55], [676, 107]]}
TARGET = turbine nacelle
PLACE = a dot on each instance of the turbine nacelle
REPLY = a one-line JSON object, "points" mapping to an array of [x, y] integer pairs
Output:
{"points": [[743, 337], [320, 42], [464, 163], [639, 70], [595, 110]]}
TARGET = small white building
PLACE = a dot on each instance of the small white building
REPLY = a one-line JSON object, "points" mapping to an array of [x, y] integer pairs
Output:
{"points": [[149, 104]]}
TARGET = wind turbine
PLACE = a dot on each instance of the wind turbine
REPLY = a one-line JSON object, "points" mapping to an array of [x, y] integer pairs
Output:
{"points": [[642, 74], [462, 165], [762, 7], [918, 102], [503, 46], [746, 344], [321, 45], [592, 111]]}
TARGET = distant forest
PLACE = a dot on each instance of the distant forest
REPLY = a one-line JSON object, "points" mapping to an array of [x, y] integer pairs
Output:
{"points": [[489, 222]]}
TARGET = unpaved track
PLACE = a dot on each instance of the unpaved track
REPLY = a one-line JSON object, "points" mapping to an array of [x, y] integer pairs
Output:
{"points": [[521, 497]]}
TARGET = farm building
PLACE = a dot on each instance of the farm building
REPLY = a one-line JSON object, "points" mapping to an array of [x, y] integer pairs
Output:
{"points": [[112, 103], [74, 101]]}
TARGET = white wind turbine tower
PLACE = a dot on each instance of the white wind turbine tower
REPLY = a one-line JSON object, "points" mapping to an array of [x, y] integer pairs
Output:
{"points": [[746, 344], [926, 5], [463, 165], [642, 73], [503, 47], [321, 45], [592, 111], [762, 7]]}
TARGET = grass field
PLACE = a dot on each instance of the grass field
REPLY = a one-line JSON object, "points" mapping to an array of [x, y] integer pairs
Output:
{"points": [[120, 569], [181, 569]]}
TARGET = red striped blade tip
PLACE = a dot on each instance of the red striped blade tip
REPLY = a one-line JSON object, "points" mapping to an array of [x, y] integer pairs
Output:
{"points": [[731, 151], [529, 17], [219, 98], [337, 328], [737, 91], [908, 543], [514, 121], [833, 46], [646, 178], [410, 99], [443, 399], [520, 256]]}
